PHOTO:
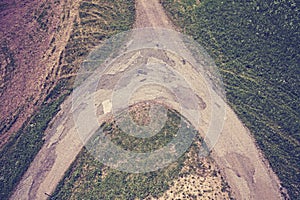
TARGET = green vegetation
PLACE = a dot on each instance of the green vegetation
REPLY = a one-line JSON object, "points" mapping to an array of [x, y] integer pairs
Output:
{"points": [[8, 67], [255, 45], [19, 152], [7, 124], [142, 145], [98, 20], [89, 179]]}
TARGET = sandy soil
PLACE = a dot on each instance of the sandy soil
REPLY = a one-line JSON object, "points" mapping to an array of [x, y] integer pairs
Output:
{"points": [[236, 154]]}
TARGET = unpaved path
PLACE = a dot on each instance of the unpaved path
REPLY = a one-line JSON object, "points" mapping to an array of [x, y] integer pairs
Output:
{"points": [[235, 153], [151, 14], [239, 159]]}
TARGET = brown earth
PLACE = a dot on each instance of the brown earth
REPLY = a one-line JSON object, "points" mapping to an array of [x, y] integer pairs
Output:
{"points": [[33, 34], [236, 154]]}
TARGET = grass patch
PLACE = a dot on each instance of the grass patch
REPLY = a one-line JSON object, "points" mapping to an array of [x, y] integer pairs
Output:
{"points": [[148, 144], [19, 152], [89, 179], [9, 65]]}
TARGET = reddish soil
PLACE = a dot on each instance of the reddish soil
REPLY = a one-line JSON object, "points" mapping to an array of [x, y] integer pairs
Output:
{"points": [[29, 58]]}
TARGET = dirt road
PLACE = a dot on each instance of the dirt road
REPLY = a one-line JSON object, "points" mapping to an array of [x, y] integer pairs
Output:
{"points": [[235, 153], [239, 159]]}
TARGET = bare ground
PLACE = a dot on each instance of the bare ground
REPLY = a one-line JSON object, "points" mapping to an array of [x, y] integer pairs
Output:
{"points": [[29, 57], [236, 154]]}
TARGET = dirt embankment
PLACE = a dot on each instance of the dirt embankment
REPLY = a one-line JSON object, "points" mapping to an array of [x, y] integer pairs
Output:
{"points": [[33, 34]]}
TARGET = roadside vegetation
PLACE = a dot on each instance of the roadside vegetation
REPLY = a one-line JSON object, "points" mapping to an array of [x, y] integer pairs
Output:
{"points": [[87, 178], [107, 183], [18, 153], [256, 48], [148, 144], [96, 21]]}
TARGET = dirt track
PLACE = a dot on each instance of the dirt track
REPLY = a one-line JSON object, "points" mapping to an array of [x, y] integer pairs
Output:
{"points": [[235, 153], [243, 165]]}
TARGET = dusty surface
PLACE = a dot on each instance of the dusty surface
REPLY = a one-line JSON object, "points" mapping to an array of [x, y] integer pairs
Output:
{"points": [[235, 153], [151, 14], [201, 180], [33, 34]]}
